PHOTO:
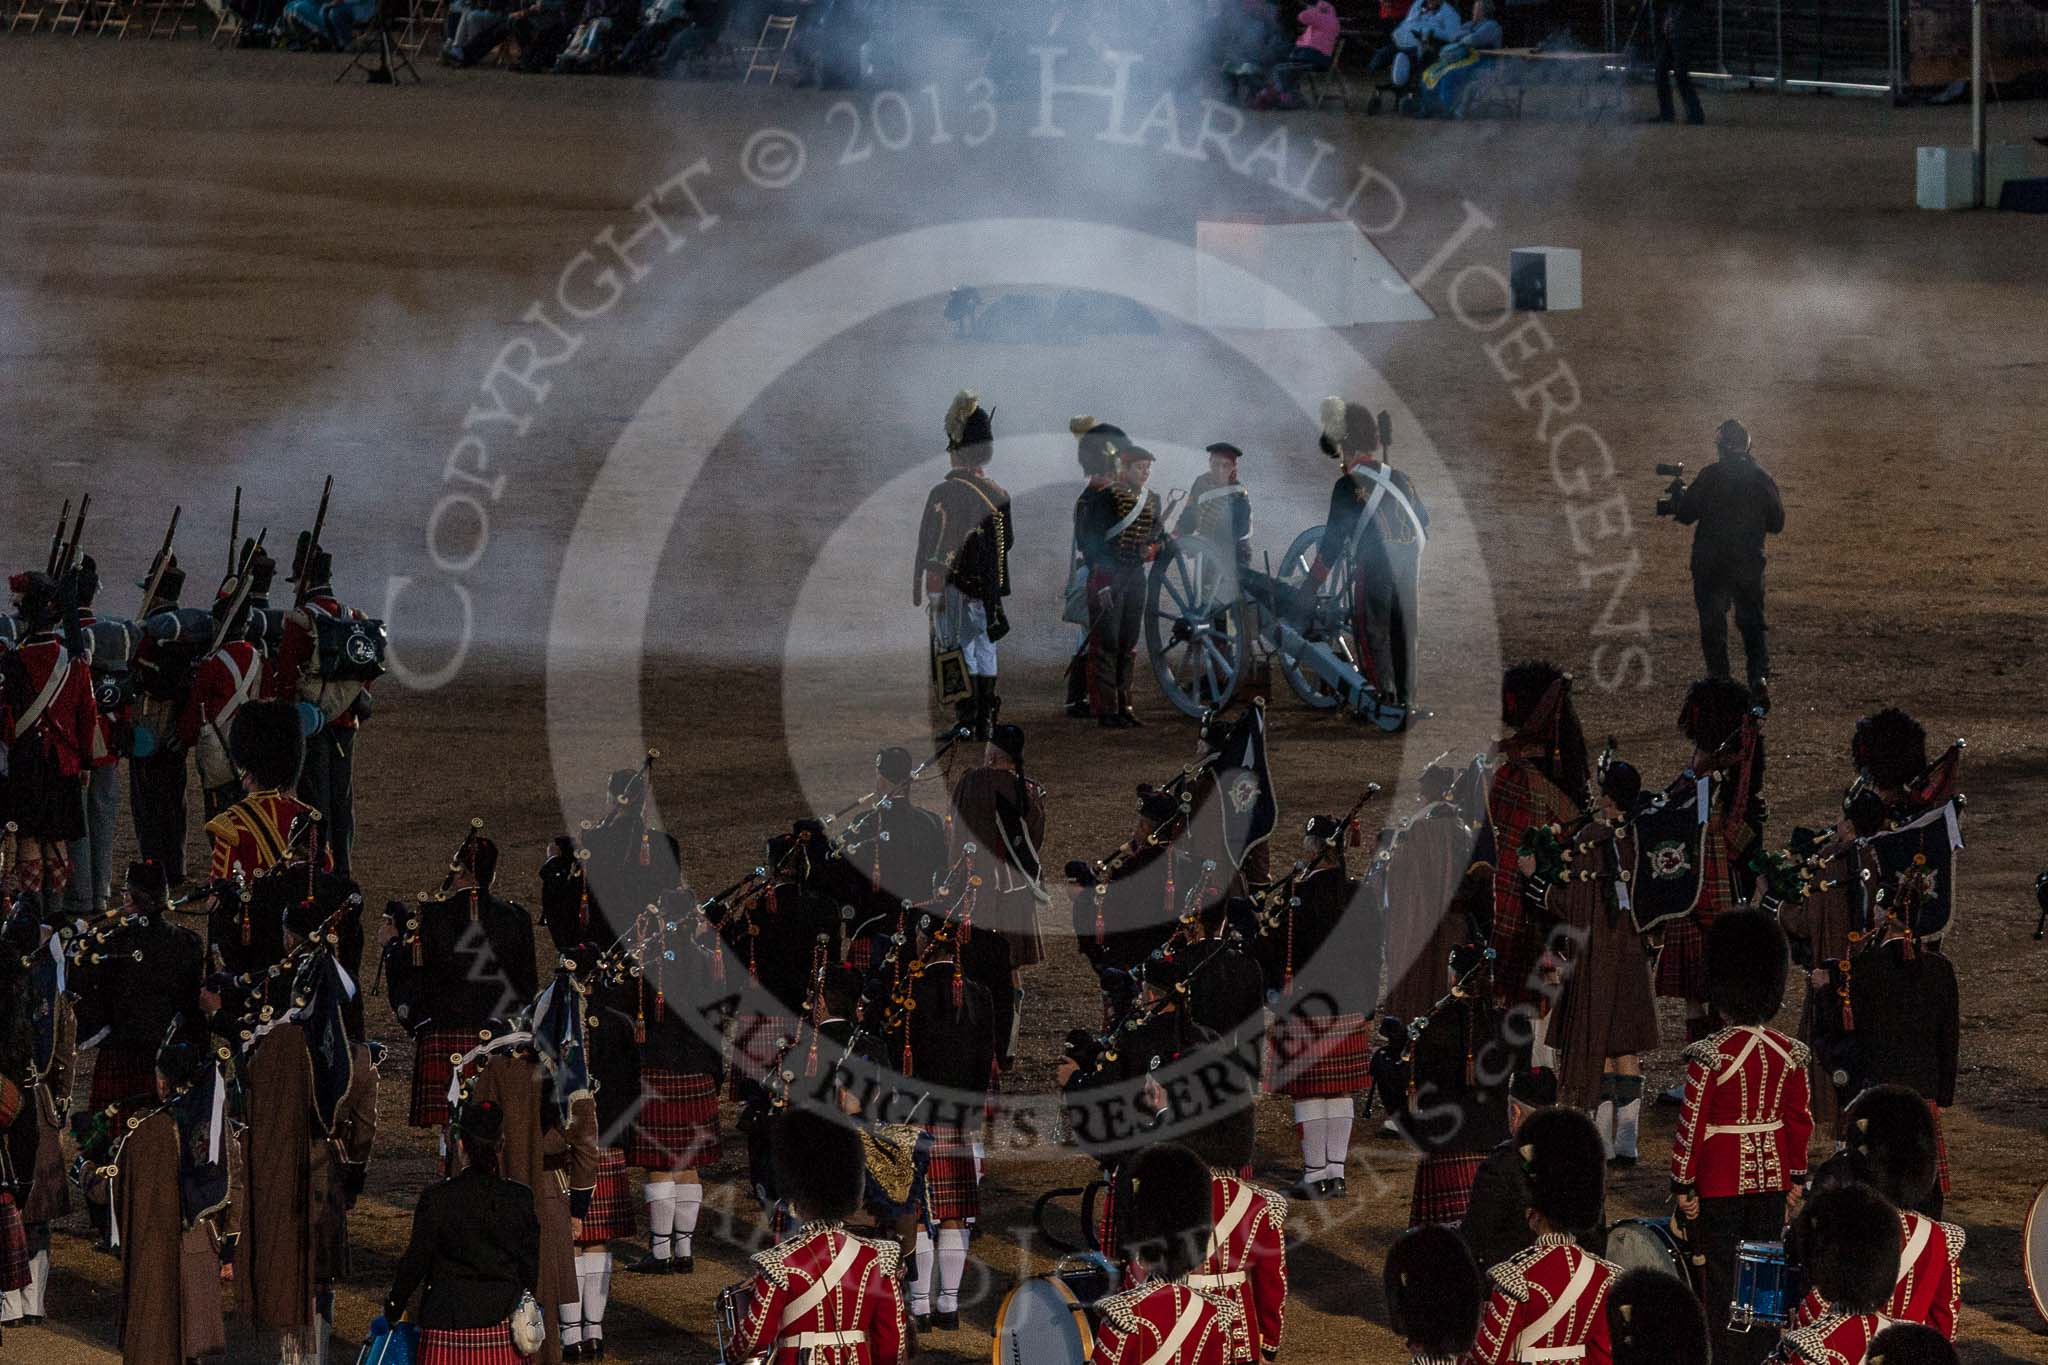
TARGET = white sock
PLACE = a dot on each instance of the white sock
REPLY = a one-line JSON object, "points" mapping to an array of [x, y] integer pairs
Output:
{"points": [[1337, 1116], [980, 1159], [572, 1325], [921, 1283], [952, 1268], [1308, 1118], [1628, 1121], [38, 1284], [1603, 1121], [11, 1304], [594, 1277], [661, 1216], [689, 1201]]}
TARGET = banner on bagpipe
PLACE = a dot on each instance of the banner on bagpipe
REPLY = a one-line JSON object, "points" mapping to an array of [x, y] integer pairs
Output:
{"points": [[1234, 806], [1929, 841], [1670, 836], [559, 1037], [201, 1114]]}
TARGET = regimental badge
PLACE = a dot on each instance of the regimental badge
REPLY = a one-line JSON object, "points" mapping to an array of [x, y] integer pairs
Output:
{"points": [[1244, 792], [1670, 860]]}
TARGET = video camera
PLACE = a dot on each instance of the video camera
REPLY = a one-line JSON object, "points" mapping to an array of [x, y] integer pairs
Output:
{"points": [[1667, 506]]}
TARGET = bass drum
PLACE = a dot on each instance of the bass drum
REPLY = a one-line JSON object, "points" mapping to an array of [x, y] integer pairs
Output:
{"points": [[1649, 1244], [2034, 1252], [1049, 1319]]}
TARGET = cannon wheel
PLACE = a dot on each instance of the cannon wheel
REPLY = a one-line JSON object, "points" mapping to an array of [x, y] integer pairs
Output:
{"points": [[1342, 637], [1196, 627]]}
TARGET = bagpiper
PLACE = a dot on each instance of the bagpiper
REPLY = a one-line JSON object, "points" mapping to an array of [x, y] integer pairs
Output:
{"points": [[1843, 1238], [1376, 528], [1426, 858], [1434, 1294], [1741, 1144], [455, 960], [1001, 813], [821, 1294], [1544, 778], [1219, 508], [1165, 1320], [1463, 1057], [1549, 1302], [51, 727], [614, 1062], [1118, 533], [1096, 447], [1247, 1256], [963, 569], [131, 979]]}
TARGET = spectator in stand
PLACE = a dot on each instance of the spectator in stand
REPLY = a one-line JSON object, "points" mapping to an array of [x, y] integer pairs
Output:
{"points": [[1447, 84], [1429, 25], [606, 29], [542, 31], [474, 33], [325, 24], [1314, 50], [1249, 33]]}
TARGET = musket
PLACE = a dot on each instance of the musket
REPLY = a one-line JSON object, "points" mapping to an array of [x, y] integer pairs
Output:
{"points": [[67, 550], [240, 599], [57, 537], [156, 574], [235, 530], [304, 566]]}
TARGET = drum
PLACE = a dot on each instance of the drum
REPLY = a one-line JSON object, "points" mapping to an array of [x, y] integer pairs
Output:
{"points": [[1049, 1319], [1649, 1244], [1767, 1289], [2034, 1251]]}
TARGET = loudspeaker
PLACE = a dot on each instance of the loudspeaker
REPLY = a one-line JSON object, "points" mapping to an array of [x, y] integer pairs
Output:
{"points": [[1544, 279]]}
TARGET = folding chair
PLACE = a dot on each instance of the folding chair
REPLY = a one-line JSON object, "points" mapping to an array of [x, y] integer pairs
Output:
{"points": [[1330, 84], [70, 15], [425, 22], [227, 27], [114, 17], [169, 18], [778, 26], [379, 39], [24, 14]]}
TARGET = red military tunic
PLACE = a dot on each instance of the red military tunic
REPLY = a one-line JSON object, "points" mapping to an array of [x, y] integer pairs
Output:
{"points": [[295, 651], [1930, 1283], [1549, 1303], [1165, 1323], [1746, 1123], [1248, 1264], [826, 1296], [253, 833], [224, 679], [51, 725], [1834, 1339]]}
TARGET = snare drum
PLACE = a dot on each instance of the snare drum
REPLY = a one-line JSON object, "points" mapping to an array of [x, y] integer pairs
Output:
{"points": [[1050, 1319], [1649, 1244], [1767, 1289]]}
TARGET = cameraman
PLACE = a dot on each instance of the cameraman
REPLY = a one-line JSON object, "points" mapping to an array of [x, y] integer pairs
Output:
{"points": [[1735, 505]]}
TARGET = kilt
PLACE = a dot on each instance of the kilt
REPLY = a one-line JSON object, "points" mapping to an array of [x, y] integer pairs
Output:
{"points": [[755, 1039], [950, 1189], [676, 1127], [1682, 965], [612, 1210], [38, 797], [1940, 1149], [1320, 1057], [432, 1069], [469, 1346], [1443, 1187], [120, 1072], [13, 1246]]}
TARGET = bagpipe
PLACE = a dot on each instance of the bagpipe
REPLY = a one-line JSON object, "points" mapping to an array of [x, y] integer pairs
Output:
{"points": [[404, 955], [856, 814], [1274, 908]]}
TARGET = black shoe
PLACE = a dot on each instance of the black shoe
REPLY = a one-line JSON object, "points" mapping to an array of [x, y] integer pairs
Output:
{"points": [[1760, 695], [1129, 718], [683, 1265], [923, 1321], [1309, 1190], [1334, 1189], [594, 1350], [946, 1322], [1113, 720], [1622, 1163], [1695, 120], [650, 1264], [1080, 710]]}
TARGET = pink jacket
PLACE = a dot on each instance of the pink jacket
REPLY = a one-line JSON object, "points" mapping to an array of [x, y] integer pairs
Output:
{"points": [[1319, 28]]}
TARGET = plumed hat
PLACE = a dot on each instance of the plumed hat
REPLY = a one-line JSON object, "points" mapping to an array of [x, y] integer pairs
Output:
{"points": [[1170, 1220], [1747, 961], [967, 422], [1434, 1290], [1847, 1238], [1892, 1130], [1655, 1319], [1098, 443], [820, 1164], [267, 742], [1346, 426], [1567, 1167]]}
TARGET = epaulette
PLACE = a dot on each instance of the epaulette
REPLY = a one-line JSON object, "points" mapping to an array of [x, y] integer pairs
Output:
{"points": [[888, 1253], [1227, 1310], [1512, 1275], [1798, 1053], [1276, 1204], [1707, 1050], [1118, 1309], [774, 1262], [1811, 1341], [1953, 1235]]}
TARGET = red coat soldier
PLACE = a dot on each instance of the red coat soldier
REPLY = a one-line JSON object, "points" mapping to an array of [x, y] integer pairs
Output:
{"points": [[254, 833], [51, 726], [1247, 1255], [327, 784], [1843, 1239], [1543, 779], [1548, 1302], [822, 1295], [1165, 1320], [228, 678], [1745, 1124]]}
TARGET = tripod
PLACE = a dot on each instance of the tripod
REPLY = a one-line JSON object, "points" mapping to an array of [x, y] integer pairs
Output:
{"points": [[391, 58]]}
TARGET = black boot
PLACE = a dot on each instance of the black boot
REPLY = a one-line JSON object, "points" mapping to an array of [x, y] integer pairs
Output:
{"points": [[987, 707]]}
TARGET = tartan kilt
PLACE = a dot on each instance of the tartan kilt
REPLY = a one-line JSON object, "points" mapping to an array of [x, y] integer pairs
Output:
{"points": [[13, 1246], [754, 1041], [950, 1189], [1682, 964], [469, 1346], [676, 1128], [121, 1073], [1320, 1057], [612, 1209], [1443, 1187], [432, 1069], [1940, 1149]]}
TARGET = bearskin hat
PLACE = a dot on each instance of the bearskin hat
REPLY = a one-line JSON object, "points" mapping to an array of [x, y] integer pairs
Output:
{"points": [[1713, 710], [1567, 1167], [1865, 810], [1467, 958], [181, 1061], [1434, 1291], [1346, 426], [1228, 1138], [820, 1165], [1891, 747], [1170, 1220], [1910, 1343], [1534, 1087], [1655, 1319], [267, 742], [1097, 445], [1847, 1239], [36, 600], [1523, 688], [968, 423], [1892, 1130], [478, 856], [1747, 962], [894, 765]]}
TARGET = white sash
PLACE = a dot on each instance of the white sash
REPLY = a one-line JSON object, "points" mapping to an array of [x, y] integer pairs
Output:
{"points": [[1923, 1230], [842, 1262], [1169, 1349], [1219, 1239], [1756, 1038], [1385, 488], [60, 669], [1574, 1288], [1144, 501], [1225, 490]]}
